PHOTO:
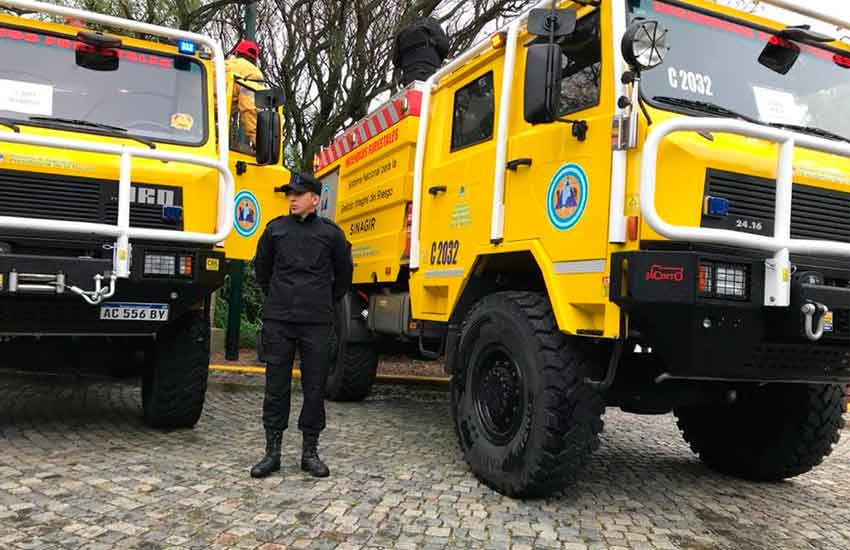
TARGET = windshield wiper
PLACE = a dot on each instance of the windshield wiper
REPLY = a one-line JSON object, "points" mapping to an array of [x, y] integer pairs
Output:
{"points": [[711, 108], [820, 132], [723, 111], [10, 123], [115, 130], [78, 122]]}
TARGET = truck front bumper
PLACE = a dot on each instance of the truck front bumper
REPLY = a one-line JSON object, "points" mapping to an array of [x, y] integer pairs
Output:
{"points": [[704, 315], [32, 302]]}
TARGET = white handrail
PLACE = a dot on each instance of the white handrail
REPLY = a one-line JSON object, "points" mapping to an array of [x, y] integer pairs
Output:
{"points": [[497, 216], [795, 7], [122, 229], [781, 243], [619, 155]]}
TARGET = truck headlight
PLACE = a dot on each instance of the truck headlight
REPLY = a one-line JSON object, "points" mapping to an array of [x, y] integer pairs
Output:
{"points": [[163, 264], [724, 280], [159, 264], [731, 281]]}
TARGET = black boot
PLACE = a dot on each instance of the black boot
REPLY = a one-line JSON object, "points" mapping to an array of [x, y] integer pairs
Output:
{"points": [[310, 461], [271, 462]]}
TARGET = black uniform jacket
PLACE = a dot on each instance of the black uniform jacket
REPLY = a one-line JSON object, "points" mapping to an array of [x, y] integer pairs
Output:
{"points": [[304, 267]]}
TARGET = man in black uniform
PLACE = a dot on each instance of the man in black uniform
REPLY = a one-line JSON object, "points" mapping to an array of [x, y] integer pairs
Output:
{"points": [[304, 267]]}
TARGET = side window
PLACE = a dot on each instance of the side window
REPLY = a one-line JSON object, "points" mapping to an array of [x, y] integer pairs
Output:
{"points": [[474, 108], [582, 66]]}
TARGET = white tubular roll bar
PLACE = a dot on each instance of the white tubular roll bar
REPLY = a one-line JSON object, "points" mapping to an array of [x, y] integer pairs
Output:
{"points": [[619, 156], [122, 231], [497, 220], [777, 283]]}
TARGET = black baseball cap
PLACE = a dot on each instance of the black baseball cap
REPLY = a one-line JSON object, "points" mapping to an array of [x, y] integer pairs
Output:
{"points": [[302, 183]]}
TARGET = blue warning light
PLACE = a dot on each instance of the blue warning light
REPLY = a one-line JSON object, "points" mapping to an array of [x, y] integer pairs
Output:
{"points": [[716, 207], [187, 47]]}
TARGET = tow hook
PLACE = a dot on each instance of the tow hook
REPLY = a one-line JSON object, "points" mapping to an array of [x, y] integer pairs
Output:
{"points": [[809, 310]]}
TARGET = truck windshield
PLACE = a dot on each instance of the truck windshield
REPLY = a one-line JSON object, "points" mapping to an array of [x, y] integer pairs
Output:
{"points": [[144, 94], [714, 62]]}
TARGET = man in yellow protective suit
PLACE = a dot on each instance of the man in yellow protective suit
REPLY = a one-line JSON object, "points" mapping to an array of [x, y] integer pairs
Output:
{"points": [[242, 65]]}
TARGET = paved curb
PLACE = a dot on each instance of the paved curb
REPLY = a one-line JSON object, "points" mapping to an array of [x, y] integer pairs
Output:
{"points": [[381, 378]]}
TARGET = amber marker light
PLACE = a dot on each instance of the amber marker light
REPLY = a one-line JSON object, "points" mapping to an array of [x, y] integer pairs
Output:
{"points": [[633, 228], [498, 40]]}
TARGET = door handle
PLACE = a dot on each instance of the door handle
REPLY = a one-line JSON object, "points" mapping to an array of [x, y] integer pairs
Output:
{"points": [[437, 189], [513, 165]]}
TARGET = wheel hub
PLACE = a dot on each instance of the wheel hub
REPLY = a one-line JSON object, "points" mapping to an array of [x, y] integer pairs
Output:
{"points": [[498, 396]]}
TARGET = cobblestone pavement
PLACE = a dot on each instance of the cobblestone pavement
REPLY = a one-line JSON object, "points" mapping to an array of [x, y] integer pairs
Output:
{"points": [[77, 469]]}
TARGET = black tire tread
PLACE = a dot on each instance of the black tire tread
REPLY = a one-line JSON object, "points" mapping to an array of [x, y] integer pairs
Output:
{"points": [[358, 368], [573, 410], [175, 387], [738, 446]]}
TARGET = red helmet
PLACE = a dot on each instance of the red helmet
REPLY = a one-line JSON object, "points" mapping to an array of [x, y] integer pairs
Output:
{"points": [[248, 48]]}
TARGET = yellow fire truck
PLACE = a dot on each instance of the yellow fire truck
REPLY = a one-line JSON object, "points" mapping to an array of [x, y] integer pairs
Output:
{"points": [[122, 194], [641, 204]]}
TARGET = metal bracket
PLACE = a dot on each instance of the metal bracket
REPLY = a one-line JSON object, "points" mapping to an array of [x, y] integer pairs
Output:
{"points": [[620, 132]]}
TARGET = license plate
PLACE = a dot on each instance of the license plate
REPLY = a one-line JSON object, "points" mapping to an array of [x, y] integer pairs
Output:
{"points": [[134, 312]]}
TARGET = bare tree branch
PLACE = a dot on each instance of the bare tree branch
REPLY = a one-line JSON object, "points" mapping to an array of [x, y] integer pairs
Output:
{"points": [[332, 58]]}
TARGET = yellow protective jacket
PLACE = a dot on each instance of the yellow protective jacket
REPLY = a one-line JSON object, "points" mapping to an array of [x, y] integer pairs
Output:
{"points": [[242, 97]]}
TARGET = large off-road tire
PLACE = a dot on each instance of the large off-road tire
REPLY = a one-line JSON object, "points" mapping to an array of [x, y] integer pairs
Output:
{"points": [[352, 369], [525, 420], [175, 383], [771, 433]]}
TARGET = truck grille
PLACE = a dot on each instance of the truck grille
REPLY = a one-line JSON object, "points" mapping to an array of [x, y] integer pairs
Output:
{"points": [[815, 213], [842, 322], [69, 198]]}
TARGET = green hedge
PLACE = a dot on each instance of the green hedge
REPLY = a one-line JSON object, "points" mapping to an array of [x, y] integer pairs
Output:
{"points": [[252, 308]]}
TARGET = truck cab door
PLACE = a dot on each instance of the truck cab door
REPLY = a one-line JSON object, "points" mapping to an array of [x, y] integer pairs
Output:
{"points": [[457, 186], [256, 203], [557, 189]]}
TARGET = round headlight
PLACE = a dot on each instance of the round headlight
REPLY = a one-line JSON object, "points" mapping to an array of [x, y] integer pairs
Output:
{"points": [[645, 45]]}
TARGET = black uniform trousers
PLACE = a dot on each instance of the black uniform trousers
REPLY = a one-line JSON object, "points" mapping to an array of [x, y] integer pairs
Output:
{"points": [[279, 342]]}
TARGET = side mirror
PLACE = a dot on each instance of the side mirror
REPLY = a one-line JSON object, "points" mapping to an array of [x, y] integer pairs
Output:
{"points": [[269, 99], [779, 55], [268, 137], [542, 83], [645, 45]]}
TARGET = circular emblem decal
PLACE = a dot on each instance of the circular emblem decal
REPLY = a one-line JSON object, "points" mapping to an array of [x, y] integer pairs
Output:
{"points": [[246, 216], [566, 199]]}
